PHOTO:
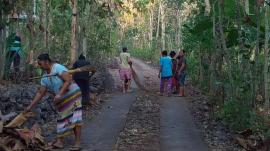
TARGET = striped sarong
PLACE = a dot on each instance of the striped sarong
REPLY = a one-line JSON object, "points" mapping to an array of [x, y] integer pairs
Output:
{"points": [[69, 111]]}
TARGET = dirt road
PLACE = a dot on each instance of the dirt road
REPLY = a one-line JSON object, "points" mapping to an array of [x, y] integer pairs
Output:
{"points": [[142, 121]]}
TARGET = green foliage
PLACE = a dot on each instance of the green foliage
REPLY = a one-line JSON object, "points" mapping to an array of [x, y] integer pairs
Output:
{"points": [[202, 25], [141, 4], [193, 67], [145, 53], [10, 40], [240, 116]]}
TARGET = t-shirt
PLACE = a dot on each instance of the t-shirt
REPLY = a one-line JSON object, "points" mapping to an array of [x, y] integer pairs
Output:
{"points": [[181, 61], [124, 57], [16, 46], [81, 75], [166, 66], [54, 83]]}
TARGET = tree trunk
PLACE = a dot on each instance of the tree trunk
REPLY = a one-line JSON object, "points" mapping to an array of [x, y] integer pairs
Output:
{"points": [[45, 3], [242, 62], [207, 7], [247, 7], [266, 58], [224, 48], [201, 76], [84, 43], [73, 52], [222, 36], [257, 66], [159, 10], [163, 25], [2, 44], [212, 63], [30, 25], [179, 29], [150, 28]]}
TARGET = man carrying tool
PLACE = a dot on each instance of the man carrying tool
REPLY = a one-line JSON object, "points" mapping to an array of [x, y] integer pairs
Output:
{"points": [[67, 100], [82, 79]]}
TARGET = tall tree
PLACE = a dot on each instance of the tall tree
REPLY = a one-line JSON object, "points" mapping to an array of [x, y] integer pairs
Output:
{"points": [[163, 25], [158, 19], [74, 45]]}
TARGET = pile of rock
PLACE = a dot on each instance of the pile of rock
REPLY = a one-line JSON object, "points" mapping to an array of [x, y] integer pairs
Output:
{"points": [[101, 81], [15, 98]]}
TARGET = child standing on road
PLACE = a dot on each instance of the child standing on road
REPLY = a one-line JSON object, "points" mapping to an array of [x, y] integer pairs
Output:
{"points": [[174, 76], [165, 73]]}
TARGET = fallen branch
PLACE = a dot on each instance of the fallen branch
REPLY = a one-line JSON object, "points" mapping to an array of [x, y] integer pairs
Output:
{"points": [[14, 138]]}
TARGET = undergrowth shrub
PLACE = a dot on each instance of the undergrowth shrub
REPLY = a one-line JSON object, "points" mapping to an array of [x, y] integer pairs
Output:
{"points": [[240, 116]]}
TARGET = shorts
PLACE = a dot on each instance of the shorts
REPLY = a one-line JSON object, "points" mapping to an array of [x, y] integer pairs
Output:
{"points": [[182, 79], [125, 74]]}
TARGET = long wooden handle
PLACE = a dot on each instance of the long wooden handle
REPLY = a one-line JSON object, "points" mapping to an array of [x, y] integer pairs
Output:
{"points": [[82, 69], [40, 77]]}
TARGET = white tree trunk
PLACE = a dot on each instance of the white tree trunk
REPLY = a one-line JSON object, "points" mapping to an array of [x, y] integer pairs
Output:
{"points": [[247, 7], [47, 23], [73, 52], [207, 7], [163, 26], [159, 9], [179, 29], [150, 28]]}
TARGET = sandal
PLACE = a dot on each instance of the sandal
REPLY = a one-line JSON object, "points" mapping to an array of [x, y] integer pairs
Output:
{"points": [[75, 148]]}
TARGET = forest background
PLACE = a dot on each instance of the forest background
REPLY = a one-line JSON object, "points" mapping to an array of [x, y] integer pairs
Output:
{"points": [[227, 42]]}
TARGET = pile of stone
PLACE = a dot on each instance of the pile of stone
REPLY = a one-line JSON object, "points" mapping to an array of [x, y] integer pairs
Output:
{"points": [[16, 97], [101, 81]]}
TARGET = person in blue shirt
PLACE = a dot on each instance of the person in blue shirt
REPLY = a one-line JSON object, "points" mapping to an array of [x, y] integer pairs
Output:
{"points": [[165, 73], [67, 100]]}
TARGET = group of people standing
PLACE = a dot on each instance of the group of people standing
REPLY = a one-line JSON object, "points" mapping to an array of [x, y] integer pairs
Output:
{"points": [[172, 73]]}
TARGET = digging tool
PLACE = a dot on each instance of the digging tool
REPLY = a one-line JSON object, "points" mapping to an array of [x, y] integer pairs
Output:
{"points": [[88, 68]]}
